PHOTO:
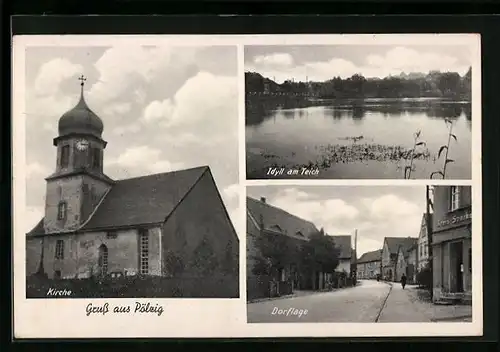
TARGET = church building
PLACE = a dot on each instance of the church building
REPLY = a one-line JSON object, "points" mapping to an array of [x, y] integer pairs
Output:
{"points": [[170, 224]]}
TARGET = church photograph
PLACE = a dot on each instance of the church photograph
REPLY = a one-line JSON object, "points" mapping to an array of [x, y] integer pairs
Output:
{"points": [[131, 172]]}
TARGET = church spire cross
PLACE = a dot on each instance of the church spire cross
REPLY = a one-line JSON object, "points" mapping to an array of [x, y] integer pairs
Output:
{"points": [[82, 80]]}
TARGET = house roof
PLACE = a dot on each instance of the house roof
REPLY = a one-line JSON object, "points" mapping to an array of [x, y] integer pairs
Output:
{"points": [[344, 243], [395, 242], [278, 220], [372, 256], [408, 245], [140, 201]]}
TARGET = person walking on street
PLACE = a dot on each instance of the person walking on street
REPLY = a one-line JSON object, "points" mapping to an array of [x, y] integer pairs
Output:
{"points": [[403, 281]]}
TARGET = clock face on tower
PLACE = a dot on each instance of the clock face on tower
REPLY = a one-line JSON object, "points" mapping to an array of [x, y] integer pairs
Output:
{"points": [[82, 144]]}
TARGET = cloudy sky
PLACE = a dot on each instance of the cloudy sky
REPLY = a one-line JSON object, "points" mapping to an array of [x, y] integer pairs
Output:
{"points": [[322, 62], [163, 108], [376, 211]]}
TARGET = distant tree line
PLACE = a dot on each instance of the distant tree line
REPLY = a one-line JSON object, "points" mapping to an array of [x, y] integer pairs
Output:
{"points": [[448, 85]]}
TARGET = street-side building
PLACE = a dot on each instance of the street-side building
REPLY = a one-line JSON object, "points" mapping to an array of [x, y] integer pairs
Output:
{"points": [[154, 225], [407, 260], [390, 251], [344, 245], [451, 242], [423, 244], [264, 219], [369, 265]]}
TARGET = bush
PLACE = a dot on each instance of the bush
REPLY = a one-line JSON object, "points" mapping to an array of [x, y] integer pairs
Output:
{"points": [[221, 286], [424, 277]]}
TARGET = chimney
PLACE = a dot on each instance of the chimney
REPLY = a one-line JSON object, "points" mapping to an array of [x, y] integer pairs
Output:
{"points": [[263, 199]]}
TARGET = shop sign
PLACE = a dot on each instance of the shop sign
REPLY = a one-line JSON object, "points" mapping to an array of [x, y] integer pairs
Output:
{"points": [[455, 219]]}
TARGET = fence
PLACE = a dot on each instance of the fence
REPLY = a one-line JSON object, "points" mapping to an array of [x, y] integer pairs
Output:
{"points": [[137, 287], [264, 287]]}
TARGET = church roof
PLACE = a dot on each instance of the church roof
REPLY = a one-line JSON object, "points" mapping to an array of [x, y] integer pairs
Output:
{"points": [[140, 201], [81, 120]]}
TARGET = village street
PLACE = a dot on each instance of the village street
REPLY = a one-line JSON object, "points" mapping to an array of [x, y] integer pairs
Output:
{"points": [[369, 301], [362, 303]]}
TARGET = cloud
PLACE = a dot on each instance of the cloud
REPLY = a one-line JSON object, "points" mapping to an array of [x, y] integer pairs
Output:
{"points": [[37, 170], [205, 102], [140, 160], [277, 59], [390, 206], [52, 74], [411, 60], [31, 217], [231, 192], [393, 62], [323, 213], [123, 67]]}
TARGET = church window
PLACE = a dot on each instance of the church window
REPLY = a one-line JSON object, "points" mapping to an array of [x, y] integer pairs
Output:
{"points": [[144, 252], [65, 156], [112, 234], [59, 249], [103, 259], [61, 211], [96, 158]]}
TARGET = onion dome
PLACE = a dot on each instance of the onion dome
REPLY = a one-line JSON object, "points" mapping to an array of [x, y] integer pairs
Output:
{"points": [[80, 119]]}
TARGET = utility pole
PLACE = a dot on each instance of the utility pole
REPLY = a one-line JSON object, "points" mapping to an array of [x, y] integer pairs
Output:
{"points": [[428, 225], [355, 256]]}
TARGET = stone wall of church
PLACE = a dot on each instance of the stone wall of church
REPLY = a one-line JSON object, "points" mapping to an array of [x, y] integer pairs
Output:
{"points": [[81, 253], [65, 189], [198, 238]]}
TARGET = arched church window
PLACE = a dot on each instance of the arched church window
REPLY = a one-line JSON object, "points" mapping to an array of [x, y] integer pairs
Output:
{"points": [[65, 156], [61, 211], [103, 259]]}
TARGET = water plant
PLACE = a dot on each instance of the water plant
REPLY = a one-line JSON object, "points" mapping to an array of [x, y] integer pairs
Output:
{"points": [[445, 149], [414, 154]]}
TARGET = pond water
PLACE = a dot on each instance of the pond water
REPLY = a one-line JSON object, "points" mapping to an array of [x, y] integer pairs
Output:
{"points": [[358, 139]]}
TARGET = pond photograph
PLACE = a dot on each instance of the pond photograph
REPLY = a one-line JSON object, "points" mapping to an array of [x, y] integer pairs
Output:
{"points": [[358, 112]]}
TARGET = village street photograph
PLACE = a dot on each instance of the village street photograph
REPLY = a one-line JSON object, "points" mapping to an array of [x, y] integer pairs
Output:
{"points": [[359, 111], [128, 194], [359, 254]]}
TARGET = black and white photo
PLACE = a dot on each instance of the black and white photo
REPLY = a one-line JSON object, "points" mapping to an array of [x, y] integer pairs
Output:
{"points": [[359, 254], [359, 111], [127, 192]]}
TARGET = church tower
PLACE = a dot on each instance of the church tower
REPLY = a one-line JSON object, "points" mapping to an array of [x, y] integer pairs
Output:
{"points": [[78, 184]]}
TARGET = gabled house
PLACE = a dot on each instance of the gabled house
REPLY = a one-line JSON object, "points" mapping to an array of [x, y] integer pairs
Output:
{"points": [[407, 260], [264, 219], [423, 244], [346, 256], [369, 265], [390, 255]]}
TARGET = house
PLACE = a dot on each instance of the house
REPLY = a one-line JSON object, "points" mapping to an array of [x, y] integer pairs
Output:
{"points": [[171, 225], [451, 243], [407, 260], [423, 244], [264, 219], [369, 265], [390, 255]]}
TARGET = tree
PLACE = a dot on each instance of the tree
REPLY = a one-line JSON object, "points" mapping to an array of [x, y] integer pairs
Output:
{"points": [[320, 253], [275, 253], [449, 83], [204, 259]]}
